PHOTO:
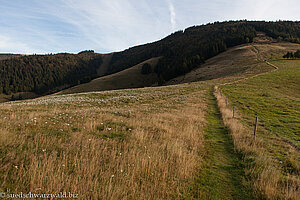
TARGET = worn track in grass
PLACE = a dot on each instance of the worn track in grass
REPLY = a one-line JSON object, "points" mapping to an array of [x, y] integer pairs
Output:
{"points": [[222, 175]]}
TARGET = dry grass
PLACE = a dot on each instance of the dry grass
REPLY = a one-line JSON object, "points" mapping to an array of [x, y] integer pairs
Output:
{"points": [[266, 172], [145, 149], [128, 78], [240, 61]]}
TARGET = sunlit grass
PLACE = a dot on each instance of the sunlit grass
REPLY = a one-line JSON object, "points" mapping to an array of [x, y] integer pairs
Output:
{"points": [[274, 99], [131, 144]]}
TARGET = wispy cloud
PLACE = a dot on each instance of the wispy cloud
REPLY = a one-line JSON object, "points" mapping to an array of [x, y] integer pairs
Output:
{"points": [[172, 15], [8, 45], [72, 25], [113, 25]]}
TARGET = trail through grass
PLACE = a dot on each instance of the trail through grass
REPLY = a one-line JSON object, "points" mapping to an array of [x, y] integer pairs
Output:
{"points": [[222, 176], [274, 98]]}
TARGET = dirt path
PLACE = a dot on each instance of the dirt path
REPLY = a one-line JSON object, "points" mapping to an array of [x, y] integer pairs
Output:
{"points": [[243, 79], [222, 175]]}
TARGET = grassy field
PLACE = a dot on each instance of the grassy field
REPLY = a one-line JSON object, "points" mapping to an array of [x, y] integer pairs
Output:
{"points": [[128, 78], [127, 144], [171, 142], [222, 174], [240, 61], [152, 143], [274, 98]]}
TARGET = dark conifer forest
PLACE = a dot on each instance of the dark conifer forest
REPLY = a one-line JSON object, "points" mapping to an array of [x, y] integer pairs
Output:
{"points": [[180, 52], [43, 73], [185, 50]]}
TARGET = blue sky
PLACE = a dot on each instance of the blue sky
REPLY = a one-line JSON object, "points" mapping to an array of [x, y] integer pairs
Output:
{"points": [[51, 26]]}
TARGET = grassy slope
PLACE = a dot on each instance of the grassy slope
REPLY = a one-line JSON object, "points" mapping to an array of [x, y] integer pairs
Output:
{"points": [[237, 62], [222, 174], [129, 78], [221, 160], [274, 97], [139, 144], [125, 144]]}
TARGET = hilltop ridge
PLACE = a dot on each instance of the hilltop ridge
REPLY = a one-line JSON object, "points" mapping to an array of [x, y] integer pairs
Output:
{"points": [[179, 54]]}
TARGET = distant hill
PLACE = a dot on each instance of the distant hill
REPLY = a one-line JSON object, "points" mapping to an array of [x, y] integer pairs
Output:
{"points": [[185, 50], [42, 74], [128, 78], [242, 60], [178, 53]]}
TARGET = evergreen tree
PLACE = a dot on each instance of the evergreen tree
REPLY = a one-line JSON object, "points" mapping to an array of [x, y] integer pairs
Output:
{"points": [[146, 69], [42, 74], [297, 54]]}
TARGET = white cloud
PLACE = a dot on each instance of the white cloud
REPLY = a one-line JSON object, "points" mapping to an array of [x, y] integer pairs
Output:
{"points": [[172, 15], [113, 25]]}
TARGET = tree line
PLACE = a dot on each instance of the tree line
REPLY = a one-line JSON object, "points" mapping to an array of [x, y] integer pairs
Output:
{"points": [[42, 74], [185, 50], [180, 52], [281, 30], [292, 54]]}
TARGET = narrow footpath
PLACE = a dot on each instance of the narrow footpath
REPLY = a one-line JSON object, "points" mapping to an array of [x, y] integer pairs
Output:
{"points": [[222, 173]]}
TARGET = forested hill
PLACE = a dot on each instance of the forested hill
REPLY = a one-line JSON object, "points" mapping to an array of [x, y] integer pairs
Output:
{"points": [[44, 73], [179, 53], [184, 50]]}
